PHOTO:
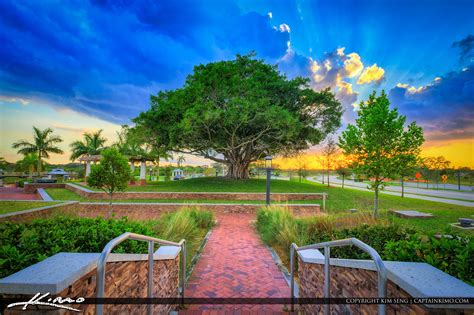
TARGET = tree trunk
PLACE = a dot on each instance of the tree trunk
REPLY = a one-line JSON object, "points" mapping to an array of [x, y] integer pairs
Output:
{"points": [[376, 202], [158, 168], [343, 181], [403, 188], [39, 166], [328, 177], [238, 170]]}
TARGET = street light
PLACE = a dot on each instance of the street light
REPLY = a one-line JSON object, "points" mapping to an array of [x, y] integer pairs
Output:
{"points": [[151, 171], [268, 167]]}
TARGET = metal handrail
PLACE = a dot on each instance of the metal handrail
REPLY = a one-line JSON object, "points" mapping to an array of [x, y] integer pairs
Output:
{"points": [[379, 265], [151, 244]]}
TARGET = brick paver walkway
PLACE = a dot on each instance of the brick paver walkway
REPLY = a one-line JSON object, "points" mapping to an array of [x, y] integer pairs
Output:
{"points": [[16, 194], [235, 263]]}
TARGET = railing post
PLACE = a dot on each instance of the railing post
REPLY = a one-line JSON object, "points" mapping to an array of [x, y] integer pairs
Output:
{"points": [[292, 278], [324, 202], [151, 247], [100, 277], [183, 270], [327, 278], [382, 288]]}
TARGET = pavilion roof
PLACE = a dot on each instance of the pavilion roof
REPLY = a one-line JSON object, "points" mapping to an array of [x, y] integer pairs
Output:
{"points": [[140, 158], [90, 158]]}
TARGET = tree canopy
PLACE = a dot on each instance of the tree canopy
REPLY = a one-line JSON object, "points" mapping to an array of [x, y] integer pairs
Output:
{"points": [[93, 144], [44, 143], [112, 174], [236, 112], [379, 144]]}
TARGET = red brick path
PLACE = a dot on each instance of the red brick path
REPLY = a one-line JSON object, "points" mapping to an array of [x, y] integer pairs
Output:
{"points": [[16, 194], [235, 263]]}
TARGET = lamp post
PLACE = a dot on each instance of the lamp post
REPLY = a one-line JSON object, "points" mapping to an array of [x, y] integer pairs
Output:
{"points": [[459, 179], [268, 167], [151, 172]]}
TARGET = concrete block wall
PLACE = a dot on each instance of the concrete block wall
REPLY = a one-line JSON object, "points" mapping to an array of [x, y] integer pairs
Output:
{"points": [[97, 195], [143, 211], [353, 278], [126, 276], [30, 188]]}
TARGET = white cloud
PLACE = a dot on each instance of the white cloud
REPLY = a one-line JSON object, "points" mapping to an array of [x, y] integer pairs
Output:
{"points": [[8, 99], [352, 65], [284, 28]]}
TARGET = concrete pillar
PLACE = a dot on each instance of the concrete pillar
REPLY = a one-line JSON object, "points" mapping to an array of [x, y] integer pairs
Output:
{"points": [[132, 170], [143, 173], [88, 168]]}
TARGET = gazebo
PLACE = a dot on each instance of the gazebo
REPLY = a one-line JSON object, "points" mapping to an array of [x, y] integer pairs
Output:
{"points": [[142, 159], [178, 174], [88, 159], [58, 172]]}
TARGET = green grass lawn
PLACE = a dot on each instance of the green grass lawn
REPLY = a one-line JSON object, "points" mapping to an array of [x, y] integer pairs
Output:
{"points": [[64, 194], [340, 200], [338, 203], [218, 184], [14, 206]]}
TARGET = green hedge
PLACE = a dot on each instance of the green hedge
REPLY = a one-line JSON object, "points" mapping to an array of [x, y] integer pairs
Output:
{"points": [[278, 228], [24, 244]]}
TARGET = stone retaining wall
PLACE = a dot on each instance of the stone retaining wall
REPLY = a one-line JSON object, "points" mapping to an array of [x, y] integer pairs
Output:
{"points": [[356, 282], [123, 279], [37, 213], [145, 211], [30, 188], [97, 195]]}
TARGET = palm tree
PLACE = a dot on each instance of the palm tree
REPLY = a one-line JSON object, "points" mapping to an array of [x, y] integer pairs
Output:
{"points": [[93, 144], [181, 159], [159, 154], [29, 164], [43, 143]]}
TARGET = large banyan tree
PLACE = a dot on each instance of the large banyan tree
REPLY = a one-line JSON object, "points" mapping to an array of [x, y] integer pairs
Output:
{"points": [[236, 112]]}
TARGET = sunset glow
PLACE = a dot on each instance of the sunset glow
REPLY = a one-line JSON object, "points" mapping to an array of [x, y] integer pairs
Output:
{"points": [[77, 72]]}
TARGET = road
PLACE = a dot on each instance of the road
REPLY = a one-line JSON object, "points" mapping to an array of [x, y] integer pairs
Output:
{"points": [[410, 192], [440, 186]]}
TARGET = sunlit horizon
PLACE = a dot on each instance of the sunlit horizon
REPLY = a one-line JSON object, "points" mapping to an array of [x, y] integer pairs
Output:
{"points": [[79, 73]]}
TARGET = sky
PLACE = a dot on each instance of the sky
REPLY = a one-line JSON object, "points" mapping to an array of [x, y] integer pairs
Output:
{"points": [[78, 66]]}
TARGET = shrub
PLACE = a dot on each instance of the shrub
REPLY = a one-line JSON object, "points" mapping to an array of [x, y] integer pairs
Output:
{"points": [[21, 183], [24, 244], [112, 174], [279, 228]]}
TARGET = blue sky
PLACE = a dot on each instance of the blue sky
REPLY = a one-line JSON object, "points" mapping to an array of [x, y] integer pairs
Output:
{"points": [[100, 60]]}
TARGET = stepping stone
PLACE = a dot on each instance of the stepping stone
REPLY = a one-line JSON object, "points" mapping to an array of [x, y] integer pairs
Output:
{"points": [[412, 214], [459, 226], [465, 222], [440, 236]]}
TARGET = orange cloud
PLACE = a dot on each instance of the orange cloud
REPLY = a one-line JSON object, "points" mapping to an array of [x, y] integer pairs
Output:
{"points": [[373, 73]]}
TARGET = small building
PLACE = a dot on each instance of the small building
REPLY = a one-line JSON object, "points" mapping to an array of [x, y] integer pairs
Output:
{"points": [[88, 159], [178, 174], [58, 172]]}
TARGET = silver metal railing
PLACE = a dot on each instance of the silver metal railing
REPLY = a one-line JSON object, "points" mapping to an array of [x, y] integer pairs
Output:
{"points": [[151, 246], [379, 265]]}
